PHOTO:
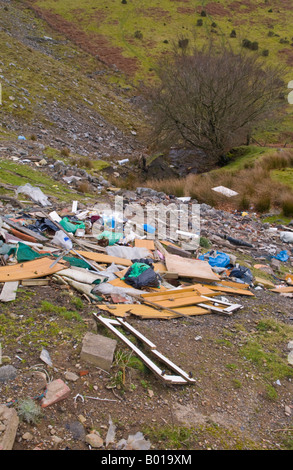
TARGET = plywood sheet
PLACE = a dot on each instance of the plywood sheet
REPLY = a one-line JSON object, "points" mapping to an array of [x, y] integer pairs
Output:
{"points": [[191, 268], [30, 269], [145, 312]]}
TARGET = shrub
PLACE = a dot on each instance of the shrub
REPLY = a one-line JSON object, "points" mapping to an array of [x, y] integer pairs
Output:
{"points": [[65, 152], [29, 411]]}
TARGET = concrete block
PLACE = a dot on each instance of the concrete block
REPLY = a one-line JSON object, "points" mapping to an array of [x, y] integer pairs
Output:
{"points": [[98, 350], [8, 427]]}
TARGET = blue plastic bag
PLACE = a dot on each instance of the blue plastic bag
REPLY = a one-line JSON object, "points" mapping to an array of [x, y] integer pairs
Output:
{"points": [[282, 256], [149, 228], [221, 260]]}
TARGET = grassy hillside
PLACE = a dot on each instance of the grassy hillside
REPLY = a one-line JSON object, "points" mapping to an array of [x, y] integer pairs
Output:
{"points": [[131, 35], [135, 33], [46, 79]]}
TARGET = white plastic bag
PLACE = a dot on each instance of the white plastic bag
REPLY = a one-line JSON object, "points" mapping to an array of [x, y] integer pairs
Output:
{"points": [[34, 193], [61, 239]]}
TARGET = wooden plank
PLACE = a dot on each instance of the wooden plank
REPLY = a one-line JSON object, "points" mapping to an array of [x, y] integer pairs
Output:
{"points": [[174, 296], [25, 230], [39, 267], [223, 289], [167, 292], [237, 285], [103, 258], [35, 282], [284, 290], [176, 250], [8, 293]]}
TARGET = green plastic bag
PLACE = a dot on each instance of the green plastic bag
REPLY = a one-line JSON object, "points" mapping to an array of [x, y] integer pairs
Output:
{"points": [[136, 269], [113, 237], [69, 226]]}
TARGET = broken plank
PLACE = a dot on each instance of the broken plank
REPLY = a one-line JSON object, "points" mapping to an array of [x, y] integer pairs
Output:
{"points": [[25, 230], [39, 267]]}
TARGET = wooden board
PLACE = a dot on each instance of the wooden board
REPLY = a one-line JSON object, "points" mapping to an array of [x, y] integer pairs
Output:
{"points": [[190, 268], [39, 267], [25, 230], [103, 258], [145, 312], [180, 302], [226, 290], [280, 290]]}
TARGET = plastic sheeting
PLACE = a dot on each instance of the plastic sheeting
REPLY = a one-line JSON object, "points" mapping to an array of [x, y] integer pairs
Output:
{"points": [[36, 194], [216, 258]]}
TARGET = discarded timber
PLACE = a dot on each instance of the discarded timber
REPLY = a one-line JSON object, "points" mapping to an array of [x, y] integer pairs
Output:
{"points": [[180, 379], [39, 267], [25, 230], [149, 312]]}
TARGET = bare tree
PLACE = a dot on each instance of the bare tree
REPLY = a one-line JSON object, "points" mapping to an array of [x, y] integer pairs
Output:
{"points": [[211, 100]]}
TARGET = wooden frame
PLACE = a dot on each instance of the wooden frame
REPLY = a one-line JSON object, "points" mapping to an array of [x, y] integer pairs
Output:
{"points": [[182, 377]]}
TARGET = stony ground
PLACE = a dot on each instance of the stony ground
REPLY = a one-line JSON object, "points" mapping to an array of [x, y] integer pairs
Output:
{"points": [[235, 403]]}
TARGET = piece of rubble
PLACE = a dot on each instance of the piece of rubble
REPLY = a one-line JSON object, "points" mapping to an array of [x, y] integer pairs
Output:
{"points": [[9, 421], [56, 391]]}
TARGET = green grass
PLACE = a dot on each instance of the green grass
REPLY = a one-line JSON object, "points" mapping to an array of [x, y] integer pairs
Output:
{"points": [[284, 176], [19, 174], [63, 77], [162, 23], [264, 349]]}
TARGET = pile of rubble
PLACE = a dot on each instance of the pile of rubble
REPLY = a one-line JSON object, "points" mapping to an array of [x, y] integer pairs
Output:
{"points": [[125, 268]]}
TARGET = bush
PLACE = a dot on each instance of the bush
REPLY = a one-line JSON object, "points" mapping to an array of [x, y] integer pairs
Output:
{"points": [[191, 84]]}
